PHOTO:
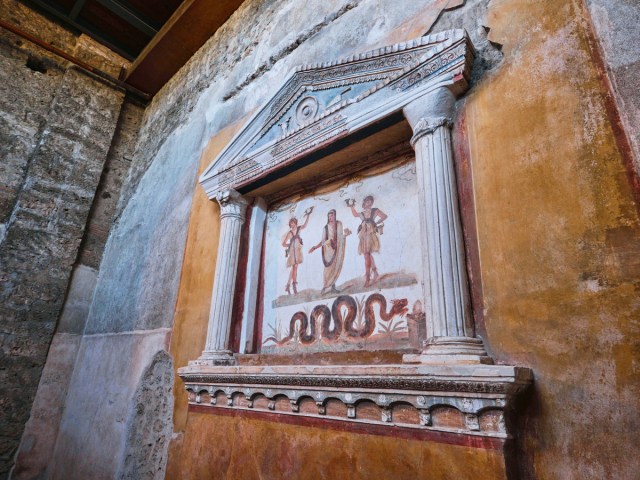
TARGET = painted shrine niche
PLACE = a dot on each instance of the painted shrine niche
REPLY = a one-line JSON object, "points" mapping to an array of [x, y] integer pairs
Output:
{"points": [[342, 267], [320, 190]]}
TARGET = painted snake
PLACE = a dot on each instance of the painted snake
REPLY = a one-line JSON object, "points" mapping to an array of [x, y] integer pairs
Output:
{"points": [[398, 307], [340, 321]]}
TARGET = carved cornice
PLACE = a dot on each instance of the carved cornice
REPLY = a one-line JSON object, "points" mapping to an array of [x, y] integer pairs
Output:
{"points": [[472, 391], [427, 69], [356, 382], [425, 126], [302, 137], [323, 102]]}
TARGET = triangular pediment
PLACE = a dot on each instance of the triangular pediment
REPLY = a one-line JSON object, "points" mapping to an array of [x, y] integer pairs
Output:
{"points": [[321, 103]]}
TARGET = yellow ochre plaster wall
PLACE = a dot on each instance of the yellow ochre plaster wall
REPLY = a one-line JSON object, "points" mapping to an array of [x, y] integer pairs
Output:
{"points": [[558, 241]]}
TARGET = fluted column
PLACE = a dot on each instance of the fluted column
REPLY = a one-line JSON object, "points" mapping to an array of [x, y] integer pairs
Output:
{"points": [[232, 216], [450, 328]]}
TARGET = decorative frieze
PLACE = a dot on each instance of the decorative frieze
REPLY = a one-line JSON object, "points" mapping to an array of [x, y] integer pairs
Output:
{"points": [[303, 138], [449, 399], [457, 55], [346, 72]]}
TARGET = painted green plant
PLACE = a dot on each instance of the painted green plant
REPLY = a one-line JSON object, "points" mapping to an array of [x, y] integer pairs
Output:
{"points": [[392, 327]]}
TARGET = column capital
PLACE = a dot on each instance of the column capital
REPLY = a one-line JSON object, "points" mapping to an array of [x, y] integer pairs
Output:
{"points": [[426, 125], [232, 204], [437, 105]]}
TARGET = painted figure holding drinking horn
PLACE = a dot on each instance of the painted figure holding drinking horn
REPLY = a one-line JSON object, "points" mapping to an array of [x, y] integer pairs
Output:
{"points": [[372, 223], [292, 242]]}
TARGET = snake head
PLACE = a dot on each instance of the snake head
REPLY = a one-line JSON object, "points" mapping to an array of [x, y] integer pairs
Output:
{"points": [[399, 306]]}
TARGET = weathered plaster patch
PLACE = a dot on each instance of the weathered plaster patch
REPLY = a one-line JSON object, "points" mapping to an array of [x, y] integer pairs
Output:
{"points": [[472, 15], [98, 413], [590, 285], [289, 44], [149, 424]]}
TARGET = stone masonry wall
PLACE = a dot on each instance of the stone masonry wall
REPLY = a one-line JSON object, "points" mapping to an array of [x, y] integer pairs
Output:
{"points": [[56, 127], [40, 434], [115, 172]]}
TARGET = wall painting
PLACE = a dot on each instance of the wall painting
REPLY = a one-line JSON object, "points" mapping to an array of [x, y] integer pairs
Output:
{"points": [[342, 266]]}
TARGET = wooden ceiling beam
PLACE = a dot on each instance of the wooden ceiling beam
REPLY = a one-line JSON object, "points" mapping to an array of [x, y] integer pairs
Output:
{"points": [[142, 24], [75, 11], [191, 25]]}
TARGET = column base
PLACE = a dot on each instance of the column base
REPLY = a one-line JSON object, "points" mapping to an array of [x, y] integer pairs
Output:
{"points": [[446, 350], [218, 357]]}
